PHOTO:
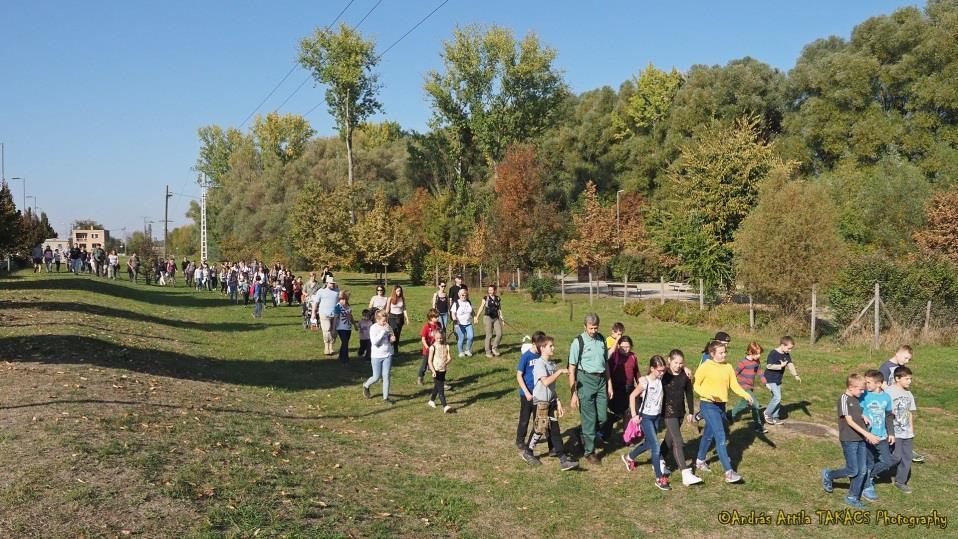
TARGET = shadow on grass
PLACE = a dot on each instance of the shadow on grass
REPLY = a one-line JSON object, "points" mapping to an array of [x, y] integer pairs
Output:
{"points": [[124, 314], [786, 409], [286, 374], [175, 297]]}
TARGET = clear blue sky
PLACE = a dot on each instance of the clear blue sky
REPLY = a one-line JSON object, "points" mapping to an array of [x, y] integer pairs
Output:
{"points": [[100, 101]]}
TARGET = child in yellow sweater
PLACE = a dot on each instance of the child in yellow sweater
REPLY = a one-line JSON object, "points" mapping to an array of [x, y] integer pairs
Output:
{"points": [[713, 379]]}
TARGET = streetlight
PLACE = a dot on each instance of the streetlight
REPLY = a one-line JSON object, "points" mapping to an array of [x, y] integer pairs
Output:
{"points": [[24, 180], [617, 193], [34, 202]]}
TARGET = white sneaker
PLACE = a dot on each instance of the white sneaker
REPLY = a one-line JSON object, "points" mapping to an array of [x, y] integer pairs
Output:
{"points": [[445, 409], [689, 478], [461, 354], [468, 353], [665, 469], [432, 404], [732, 477], [702, 466]]}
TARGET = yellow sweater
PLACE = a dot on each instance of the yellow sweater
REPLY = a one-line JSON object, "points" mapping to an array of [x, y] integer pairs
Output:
{"points": [[713, 380]]}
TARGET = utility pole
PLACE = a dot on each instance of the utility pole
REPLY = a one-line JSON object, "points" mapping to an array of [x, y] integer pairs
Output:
{"points": [[166, 223], [204, 253]]}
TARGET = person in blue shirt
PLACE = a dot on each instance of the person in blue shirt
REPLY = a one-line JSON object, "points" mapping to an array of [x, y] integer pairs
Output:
{"points": [[526, 382], [878, 413], [778, 360]]}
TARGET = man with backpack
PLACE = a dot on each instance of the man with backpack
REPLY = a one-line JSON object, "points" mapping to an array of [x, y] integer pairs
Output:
{"points": [[590, 383]]}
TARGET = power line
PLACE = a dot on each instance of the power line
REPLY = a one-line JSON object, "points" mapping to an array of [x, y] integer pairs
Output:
{"points": [[361, 21], [394, 43], [290, 72], [411, 29], [300, 87]]}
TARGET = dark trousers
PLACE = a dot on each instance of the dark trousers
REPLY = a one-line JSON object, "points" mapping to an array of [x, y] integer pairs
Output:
{"points": [[618, 409], [673, 440], [439, 387], [396, 322], [365, 348], [547, 419], [527, 411], [344, 335]]}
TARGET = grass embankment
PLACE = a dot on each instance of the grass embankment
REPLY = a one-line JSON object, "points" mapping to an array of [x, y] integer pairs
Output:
{"points": [[133, 410]]}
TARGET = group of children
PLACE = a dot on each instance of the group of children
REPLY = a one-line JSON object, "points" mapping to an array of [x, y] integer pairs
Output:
{"points": [[664, 397], [874, 414]]}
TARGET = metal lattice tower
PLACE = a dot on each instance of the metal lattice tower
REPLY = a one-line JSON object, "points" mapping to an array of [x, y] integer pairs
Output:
{"points": [[204, 252]]}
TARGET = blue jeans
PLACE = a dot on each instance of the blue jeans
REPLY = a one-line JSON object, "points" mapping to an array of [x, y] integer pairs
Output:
{"points": [[649, 428], [381, 366], [444, 320], [773, 405], [878, 460], [465, 335], [855, 467], [714, 415]]}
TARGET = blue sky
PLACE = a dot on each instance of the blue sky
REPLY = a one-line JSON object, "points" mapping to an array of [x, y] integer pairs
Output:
{"points": [[100, 101]]}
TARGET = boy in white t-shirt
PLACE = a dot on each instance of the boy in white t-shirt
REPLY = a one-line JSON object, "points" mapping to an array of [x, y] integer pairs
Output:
{"points": [[903, 404]]}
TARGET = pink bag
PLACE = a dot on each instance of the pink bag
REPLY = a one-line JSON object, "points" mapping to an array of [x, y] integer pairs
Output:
{"points": [[633, 431]]}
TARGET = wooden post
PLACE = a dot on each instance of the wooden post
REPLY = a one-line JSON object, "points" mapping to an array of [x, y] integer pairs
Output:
{"points": [[562, 285], [662, 290], [385, 277], [701, 294], [518, 278], [625, 289], [927, 318], [751, 314], [877, 315], [590, 286], [480, 275], [571, 310], [498, 282], [814, 311]]}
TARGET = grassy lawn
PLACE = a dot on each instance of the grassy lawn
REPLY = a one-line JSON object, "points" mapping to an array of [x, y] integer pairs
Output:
{"points": [[128, 410]]}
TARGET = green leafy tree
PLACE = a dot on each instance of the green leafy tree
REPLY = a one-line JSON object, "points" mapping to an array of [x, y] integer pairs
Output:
{"points": [[320, 231], [716, 179], [381, 238], [9, 222], [783, 248], [183, 241], [343, 62], [216, 149], [650, 103], [882, 206], [494, 91], [282, 138]]}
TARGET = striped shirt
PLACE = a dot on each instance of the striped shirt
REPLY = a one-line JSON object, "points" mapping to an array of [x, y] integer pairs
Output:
{"points": [[746, 373], [849, 406]]}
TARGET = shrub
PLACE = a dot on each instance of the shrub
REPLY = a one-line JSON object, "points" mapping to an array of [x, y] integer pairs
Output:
{"points": [[541, 288], [633, 308], [678, 312], [735, 317], [906, 288]]}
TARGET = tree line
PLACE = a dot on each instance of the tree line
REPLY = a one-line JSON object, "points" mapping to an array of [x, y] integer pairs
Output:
{"points": [[745, 176]]}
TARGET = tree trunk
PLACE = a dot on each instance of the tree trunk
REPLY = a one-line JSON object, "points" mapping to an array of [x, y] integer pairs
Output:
{"points": [[349, 158], [590, 286], [384, 275]]}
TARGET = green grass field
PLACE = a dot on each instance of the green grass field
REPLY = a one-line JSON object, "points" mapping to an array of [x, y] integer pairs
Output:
{"points": [[128, 410]]}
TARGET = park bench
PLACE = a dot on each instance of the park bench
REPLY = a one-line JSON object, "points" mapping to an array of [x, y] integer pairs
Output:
{"points": [[677, 286]]}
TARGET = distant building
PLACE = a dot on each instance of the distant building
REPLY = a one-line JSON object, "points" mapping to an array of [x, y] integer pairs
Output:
{"points": [[89, 238], [57, 243]]}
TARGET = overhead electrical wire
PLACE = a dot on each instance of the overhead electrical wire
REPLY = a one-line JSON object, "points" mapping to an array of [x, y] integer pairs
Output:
{"points": [[394, 43], [290, 72]]}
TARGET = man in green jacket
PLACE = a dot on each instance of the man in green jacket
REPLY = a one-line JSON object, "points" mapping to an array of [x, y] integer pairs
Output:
{"points": [[590, 383]]}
